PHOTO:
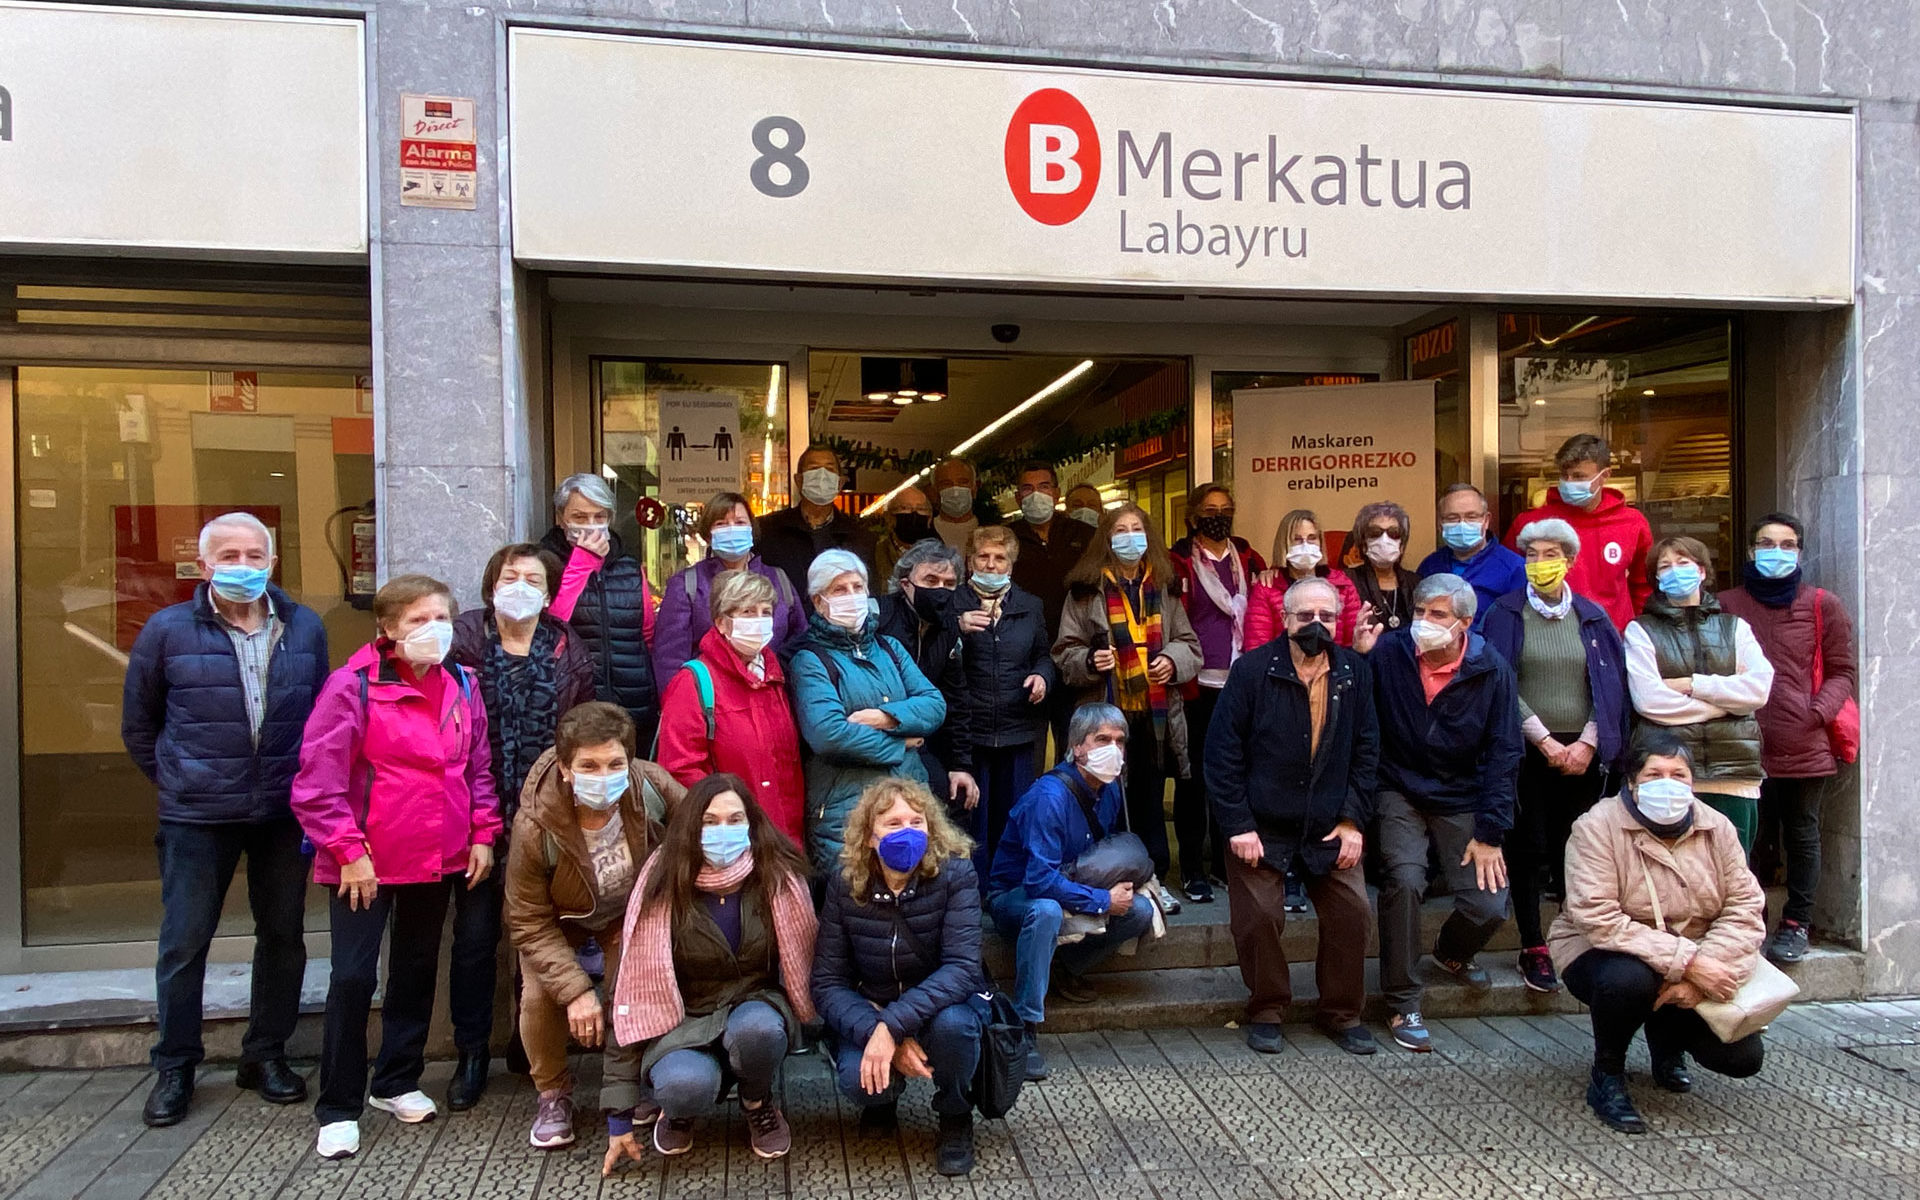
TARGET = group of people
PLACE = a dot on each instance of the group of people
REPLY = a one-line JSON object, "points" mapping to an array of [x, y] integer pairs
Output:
{"points": [[778, 795]]}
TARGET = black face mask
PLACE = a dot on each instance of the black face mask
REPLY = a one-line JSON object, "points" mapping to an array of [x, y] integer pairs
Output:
{"points": [[909, 528], [1218, 526], [1315, 640], [931, 603]]}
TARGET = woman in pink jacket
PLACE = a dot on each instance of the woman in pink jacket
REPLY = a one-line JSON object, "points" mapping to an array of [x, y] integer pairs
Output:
{"points": [[396, 793], [1297, 553]]}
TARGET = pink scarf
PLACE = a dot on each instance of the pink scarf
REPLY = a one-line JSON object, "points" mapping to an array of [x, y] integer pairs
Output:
{"points": [[646, 997]]}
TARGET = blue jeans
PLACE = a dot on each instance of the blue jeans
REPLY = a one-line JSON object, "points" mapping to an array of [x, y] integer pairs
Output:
{"points": [[1033, 925], [1004, 775], [952, 1043], [686, 1083], [197, 863]]}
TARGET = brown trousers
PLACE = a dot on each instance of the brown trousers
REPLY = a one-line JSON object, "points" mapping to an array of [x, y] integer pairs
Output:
{"points": [[543, 1020], [1257, 915]]}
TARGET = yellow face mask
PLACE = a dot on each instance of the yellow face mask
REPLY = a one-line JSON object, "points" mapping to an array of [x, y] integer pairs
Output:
{"points": [[1545, 574]]}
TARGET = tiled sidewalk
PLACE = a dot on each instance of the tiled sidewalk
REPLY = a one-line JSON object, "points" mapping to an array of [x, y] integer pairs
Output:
{"points": [[1186, 1114]]}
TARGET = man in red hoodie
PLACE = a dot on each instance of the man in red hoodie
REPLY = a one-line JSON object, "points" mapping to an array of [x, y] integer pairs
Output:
{"points": [[1611, 570]]}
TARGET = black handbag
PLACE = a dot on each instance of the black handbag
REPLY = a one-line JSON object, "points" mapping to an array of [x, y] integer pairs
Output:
{"points": [[1004, 1044]]}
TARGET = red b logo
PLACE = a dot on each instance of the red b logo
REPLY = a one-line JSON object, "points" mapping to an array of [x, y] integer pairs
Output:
{"points": [[1053, 156]]}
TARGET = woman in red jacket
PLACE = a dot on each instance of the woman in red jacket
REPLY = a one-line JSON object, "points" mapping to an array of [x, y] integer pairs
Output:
{"points": [[1805, 633], [743, 725]]}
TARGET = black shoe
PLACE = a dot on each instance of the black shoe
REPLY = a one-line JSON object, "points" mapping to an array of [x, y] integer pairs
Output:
{"points": [[1072, 988], [469, 1082], [1607, 1096], [1198, 890], [1470, 973], [1296, 901], [276, 1082], [953, 1152], [1670, 1072], [171, 1095], [1788, 943], [1264, 1038], [1536, 970], [1036, 1064], [880, 1118], [1354, 1039]]}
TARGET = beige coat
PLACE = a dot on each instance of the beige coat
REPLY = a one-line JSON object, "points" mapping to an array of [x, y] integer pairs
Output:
{"points": [[1083, 626], [1712, 903]]}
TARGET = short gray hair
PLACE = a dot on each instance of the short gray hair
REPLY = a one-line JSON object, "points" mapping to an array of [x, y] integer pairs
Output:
{"points": [[1313, 583], [1090, 719], [1549, 529], [830, 565], [235, 520], [1454, 588], [589, 485], [920, 554], [738, 589]]}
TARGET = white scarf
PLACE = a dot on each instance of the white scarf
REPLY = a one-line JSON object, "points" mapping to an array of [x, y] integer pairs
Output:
{"points": [[1552, 612], [1234, 605]]}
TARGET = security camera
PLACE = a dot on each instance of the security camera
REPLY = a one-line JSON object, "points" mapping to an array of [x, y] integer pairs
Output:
{"points": [[1006, 334]]}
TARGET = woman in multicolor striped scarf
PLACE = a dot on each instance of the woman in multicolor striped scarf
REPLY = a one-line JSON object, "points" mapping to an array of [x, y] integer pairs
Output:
{"points": [[1125, 641]]}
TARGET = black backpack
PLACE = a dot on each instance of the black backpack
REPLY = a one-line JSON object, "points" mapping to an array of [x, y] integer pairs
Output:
{"points": [[1004, 1045]]}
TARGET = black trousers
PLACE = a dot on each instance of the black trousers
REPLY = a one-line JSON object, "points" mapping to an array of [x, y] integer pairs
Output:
{"points": [[416, 912], [473, 972], [1549, 803], [1203, 851], [1621, 989], [1794, 806], [197, 863], [1147, 791]]}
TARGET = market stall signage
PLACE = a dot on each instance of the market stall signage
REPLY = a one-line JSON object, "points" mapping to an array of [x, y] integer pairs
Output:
{"points": [[769, 161]]}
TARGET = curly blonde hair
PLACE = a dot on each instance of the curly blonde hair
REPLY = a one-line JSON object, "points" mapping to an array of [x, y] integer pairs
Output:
{"points": [[858, 862]]}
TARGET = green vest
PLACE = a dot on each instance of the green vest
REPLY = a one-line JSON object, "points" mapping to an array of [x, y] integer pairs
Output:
{"points": [[1700, 641]]}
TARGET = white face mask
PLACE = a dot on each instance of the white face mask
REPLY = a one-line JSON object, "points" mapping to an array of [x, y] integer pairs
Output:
{"points": [[1106, 762], [1037, 508], [580, 533], [751, 634], [428, 644], [1089, 516], [848, 611], [599, 792], [820, 485], [1304, 557], [1663, 801], [1430, 636], [518, 600], [1383, 551], [956, 502]]}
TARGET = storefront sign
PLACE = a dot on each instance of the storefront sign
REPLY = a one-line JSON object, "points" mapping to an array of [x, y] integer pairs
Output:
{"points": [[142, 129], [1332, 450], [438, 167], [735, 159], [699, 445]]}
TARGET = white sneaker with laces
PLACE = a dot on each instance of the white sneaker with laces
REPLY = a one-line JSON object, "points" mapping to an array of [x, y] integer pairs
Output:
{"points": [[411, 1107], [340, 1139]]}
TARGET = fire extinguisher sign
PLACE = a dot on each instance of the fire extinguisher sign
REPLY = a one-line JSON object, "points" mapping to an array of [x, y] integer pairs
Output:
{"points": [[439, 167]]}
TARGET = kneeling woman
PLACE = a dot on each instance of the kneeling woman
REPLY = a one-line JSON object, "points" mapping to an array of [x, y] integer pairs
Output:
{"points": [[714, 966], [1661, 913], [586, 823], [898, 959]]}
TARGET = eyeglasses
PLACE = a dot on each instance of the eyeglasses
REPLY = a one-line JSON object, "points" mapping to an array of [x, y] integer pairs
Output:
{"points": [[1324, 617]]}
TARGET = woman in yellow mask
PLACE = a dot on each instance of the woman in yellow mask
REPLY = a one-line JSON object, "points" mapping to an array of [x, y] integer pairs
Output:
{"points": [[1574, 711]]}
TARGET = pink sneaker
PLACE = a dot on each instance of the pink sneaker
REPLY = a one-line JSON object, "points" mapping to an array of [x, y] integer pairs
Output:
{"points": [[553, 1124]]}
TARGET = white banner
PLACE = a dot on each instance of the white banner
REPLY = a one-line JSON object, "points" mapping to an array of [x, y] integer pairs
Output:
{"points": [[1332, 450], [124, 128], [699, 445], [630, 151]]}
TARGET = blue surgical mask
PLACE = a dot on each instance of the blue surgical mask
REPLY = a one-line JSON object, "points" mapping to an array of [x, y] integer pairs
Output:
{"points": [[1578, 492], [238, 584], [599, 792], [1679, 580], [1774, 563], [722, 844], [1462, 535], [986, 581], [732, 541], [903, 849], [1131, 546]]}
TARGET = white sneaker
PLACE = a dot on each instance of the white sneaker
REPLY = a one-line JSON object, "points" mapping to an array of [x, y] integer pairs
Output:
{"points": [[340, 1139], [412, 1107]]}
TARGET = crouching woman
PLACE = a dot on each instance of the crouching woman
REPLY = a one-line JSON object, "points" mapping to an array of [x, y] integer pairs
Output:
{"points": [[715, 960], [898, 960]]}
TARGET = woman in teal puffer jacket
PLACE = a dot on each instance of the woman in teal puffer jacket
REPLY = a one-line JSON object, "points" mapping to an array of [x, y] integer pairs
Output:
{"points": [[862, 705]]}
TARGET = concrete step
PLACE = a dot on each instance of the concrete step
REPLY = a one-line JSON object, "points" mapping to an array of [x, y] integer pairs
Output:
{"points": [[1172, 996]]}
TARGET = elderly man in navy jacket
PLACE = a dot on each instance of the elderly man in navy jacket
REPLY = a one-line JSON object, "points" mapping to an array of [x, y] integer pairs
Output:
{"points": [[1291, 757], [1064, 814], [1449, 758], [218, 692]]}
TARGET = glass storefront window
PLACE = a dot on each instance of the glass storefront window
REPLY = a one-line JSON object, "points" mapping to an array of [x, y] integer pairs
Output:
{"points": [[117, 470], [1658, 388], [671, 434], [1439, 353]]}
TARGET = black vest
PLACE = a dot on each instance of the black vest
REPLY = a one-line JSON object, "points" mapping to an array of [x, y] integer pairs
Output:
{"points": [[1700, 641]]}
